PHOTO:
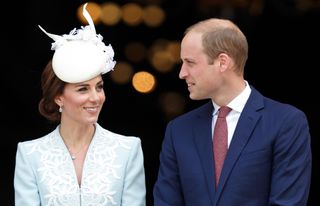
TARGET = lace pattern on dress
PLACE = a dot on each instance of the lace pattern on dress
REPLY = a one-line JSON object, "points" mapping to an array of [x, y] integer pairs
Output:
{"points": [[101, 170]]}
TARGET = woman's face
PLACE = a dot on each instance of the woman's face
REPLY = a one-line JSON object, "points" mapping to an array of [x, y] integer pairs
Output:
{"points": [[82, 102]]}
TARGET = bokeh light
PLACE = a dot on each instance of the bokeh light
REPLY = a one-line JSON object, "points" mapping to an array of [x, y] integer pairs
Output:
{"points": [[143, 82], [122, 73], [172, 104], [110, 13], [135, 51], [153, 16], [132, 14]]}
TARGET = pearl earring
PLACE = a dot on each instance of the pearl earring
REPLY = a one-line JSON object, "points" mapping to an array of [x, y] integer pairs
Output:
{"points": [[60, 109]]}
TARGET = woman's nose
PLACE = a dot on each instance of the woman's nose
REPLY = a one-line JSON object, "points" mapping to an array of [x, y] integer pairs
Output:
{"points": [[94, 95]]}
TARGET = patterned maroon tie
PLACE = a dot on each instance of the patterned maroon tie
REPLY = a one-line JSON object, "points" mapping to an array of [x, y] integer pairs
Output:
{"points": [[220, 141]]}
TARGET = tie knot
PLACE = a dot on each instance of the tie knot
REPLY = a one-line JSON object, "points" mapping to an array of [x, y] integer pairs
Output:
{"points": [[223, 111]]}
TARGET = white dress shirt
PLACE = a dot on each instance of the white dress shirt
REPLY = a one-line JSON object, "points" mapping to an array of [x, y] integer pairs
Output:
{"points": [[237, 105]]}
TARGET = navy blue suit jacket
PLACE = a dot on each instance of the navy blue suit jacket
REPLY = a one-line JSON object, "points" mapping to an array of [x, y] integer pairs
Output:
{"points": [[268, 161]]}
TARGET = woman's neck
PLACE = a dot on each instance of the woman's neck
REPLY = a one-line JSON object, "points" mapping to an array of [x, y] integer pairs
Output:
{"points": [[76, 136]]}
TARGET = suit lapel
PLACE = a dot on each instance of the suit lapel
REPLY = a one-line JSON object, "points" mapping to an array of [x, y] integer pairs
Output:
{"points": [[245, 126], [203, 143]]}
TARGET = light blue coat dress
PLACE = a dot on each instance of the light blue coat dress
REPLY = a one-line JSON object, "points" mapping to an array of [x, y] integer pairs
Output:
{"points": [[113, 172]]}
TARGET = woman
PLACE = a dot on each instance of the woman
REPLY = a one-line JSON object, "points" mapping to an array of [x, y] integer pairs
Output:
{"points": [[79, 163]]}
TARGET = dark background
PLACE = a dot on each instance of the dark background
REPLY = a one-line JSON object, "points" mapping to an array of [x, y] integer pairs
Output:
{"points": [[283, 62]]}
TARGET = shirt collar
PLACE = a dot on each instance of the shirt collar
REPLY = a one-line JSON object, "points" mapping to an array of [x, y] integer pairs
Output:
{"points": [[238, 103]]}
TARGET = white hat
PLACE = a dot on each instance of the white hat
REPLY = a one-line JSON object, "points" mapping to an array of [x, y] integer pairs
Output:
{"points": [[81, 55]]}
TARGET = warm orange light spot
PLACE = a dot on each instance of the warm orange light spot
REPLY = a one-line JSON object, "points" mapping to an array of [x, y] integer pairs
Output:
{"points": [[132, 14], [143, 82], [153, 16], [122, 73], [110, 13]]}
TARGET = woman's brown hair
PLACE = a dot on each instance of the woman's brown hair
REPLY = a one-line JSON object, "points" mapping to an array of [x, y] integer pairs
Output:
{"points": [[51, 87]]}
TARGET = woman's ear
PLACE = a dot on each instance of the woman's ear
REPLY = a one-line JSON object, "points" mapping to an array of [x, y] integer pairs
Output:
{"points": [[58, 100]]}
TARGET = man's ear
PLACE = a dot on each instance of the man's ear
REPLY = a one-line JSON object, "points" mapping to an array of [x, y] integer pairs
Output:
{"points": [[224, 61]]}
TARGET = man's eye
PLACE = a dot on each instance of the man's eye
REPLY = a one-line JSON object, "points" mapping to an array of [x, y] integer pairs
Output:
{"points": [[189, 62]]}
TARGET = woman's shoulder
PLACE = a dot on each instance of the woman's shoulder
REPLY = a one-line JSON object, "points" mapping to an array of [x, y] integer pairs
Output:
{"points": [[117, 136], [42, 140], [124, 145]]}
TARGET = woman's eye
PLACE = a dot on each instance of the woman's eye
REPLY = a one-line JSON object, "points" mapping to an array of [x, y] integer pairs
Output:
{"points": [[82, 89], [100, 87]]}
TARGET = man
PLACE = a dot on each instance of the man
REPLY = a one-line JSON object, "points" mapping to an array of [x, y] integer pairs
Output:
{"points": [[268, 154]]}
